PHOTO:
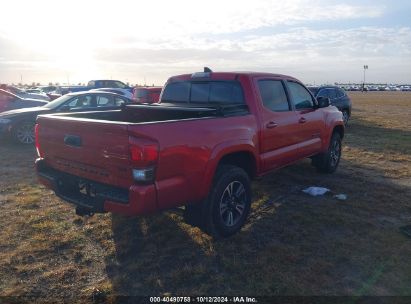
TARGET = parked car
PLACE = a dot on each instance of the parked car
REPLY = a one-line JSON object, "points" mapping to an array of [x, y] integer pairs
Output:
{"points": [[10, 101], [147, 94], [19, 124], [211, 134], [338, 98], [53, 95], [354, 88], [35, 91], [96, 84], [125, 93], [49, 89], [23, 94]]}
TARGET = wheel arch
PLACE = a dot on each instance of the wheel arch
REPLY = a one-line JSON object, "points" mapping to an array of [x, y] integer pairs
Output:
{"points": [[338, 129], [243, 155]]}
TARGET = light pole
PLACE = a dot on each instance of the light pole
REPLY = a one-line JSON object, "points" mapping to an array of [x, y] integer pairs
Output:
{"points": [[363, 84]]}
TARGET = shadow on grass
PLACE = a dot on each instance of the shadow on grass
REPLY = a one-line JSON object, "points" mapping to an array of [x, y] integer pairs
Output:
{"points": [[372, 137], [293, 244], [154, 255]]}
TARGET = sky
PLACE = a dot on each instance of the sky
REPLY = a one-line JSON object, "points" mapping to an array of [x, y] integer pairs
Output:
{"points": [[146, 42]]}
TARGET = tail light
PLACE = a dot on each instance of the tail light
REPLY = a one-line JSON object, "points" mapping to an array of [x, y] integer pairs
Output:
{"points": [[36, 133], [144, 156]]}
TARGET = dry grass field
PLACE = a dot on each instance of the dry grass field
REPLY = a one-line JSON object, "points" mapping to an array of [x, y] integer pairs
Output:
{"points": [[293, 244]]}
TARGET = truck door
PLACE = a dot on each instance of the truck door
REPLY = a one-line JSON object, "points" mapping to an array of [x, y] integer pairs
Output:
{"points": [[279, 126], [310, 119]]}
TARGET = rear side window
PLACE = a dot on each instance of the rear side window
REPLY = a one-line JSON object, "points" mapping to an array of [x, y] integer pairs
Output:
{"points": [[104, 101], [273, 95], [84, 101], [300, 96], [222, 92]]}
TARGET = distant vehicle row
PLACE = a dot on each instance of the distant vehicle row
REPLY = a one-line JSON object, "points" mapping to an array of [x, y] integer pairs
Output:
{"points": [[25, 93], [377, 88], [10, 101], [141, 94], [19, 123]]}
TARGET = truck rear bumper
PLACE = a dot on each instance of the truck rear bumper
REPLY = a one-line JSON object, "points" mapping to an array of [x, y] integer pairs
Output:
{"points": [[97, 197]]}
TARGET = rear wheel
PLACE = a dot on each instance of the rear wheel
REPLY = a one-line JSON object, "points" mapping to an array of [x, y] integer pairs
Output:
{"points": [[328, 162], [226, 208], [24, 132]]}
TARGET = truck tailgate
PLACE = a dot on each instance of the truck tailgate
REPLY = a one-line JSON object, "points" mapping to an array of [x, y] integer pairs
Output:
{"points": [[94, 150]]}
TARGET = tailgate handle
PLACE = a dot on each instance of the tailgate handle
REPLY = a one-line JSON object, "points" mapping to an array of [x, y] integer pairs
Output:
{"points": [[72, 140]]}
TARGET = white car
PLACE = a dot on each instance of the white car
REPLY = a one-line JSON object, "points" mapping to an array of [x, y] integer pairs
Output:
{"points": [[23, 94], [122, 92], [35, 91]]}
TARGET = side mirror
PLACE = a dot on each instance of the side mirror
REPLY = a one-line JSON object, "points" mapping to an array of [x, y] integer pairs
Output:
{"points": [[323, 102]]}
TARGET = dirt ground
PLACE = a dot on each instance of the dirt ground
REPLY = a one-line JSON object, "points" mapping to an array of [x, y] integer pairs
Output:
{"points": [[293, 244]]}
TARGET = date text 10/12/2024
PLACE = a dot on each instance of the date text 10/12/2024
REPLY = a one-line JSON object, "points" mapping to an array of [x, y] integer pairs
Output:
{"points": [[203, 299]]}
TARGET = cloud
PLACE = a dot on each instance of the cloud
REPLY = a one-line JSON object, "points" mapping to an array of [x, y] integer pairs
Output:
{"points": [[155, 39], [299, 50], [161, 18]]}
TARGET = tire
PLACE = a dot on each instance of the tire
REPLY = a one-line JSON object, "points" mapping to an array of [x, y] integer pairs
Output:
{"points": [[328, 162], [24, 133], [226, 208], [346, 117]]}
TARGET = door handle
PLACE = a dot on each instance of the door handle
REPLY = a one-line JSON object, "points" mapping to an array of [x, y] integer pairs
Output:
{"points": [[271, 125], [302, 120]]}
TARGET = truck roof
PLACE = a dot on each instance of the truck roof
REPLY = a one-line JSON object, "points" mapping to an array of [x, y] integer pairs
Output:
{"points": [[227, 75]]}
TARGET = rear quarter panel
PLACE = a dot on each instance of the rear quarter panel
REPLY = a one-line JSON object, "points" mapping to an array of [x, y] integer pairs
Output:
{"points": [[190, 151]]}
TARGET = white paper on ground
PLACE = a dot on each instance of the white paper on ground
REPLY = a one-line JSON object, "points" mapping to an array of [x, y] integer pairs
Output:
{"points": [[341, 196], [316, 191]]}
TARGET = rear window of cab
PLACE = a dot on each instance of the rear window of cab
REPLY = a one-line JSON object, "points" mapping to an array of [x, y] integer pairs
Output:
{"points": [[221, 92]]}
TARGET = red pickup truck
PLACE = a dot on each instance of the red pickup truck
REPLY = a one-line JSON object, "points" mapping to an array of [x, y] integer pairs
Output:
{"points": [[199, 148]]}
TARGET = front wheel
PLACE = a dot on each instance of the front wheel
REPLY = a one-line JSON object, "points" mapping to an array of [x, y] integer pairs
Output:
{"points": [[226, 209], [346, 117], [24, 132], [328, 162]]}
